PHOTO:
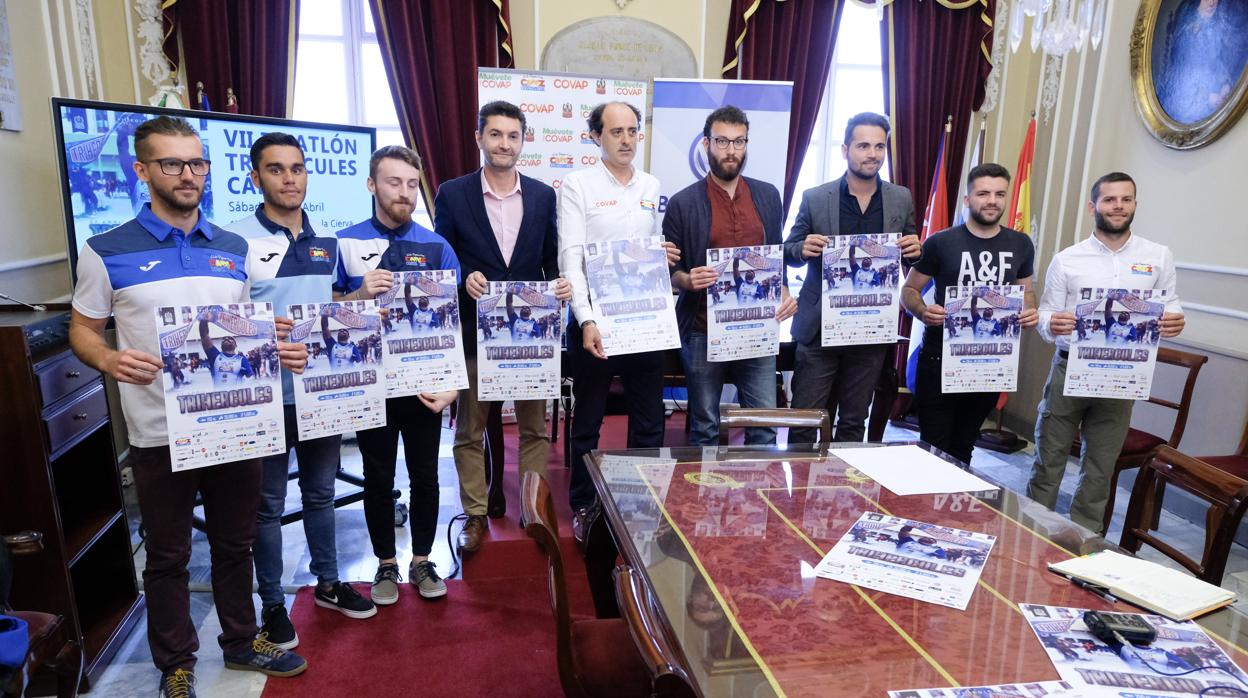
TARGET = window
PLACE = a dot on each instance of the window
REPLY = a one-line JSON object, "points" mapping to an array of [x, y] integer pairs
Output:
{"points": [[339, 74]]}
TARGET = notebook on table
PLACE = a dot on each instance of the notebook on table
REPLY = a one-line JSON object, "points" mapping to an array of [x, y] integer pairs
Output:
{"points": [[1150, 586]]}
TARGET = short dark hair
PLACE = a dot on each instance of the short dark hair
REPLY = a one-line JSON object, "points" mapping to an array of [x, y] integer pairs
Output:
{"points": [[500, 108], [727, 114], [1111, 177], [396, 152], [268, 139], [595, 117], [160, 126], [987, 169], [866, 118]]}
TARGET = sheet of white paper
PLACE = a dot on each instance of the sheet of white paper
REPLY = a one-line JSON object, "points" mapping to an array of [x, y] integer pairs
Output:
{"points": [[907, 470]]}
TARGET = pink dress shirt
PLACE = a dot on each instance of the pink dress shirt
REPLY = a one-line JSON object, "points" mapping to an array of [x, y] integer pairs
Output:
{"points": [[505, 213]]}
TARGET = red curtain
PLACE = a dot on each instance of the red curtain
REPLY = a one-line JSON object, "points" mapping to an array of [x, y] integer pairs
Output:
{"points": [[786, 40], [240, 44], [431, 50]]}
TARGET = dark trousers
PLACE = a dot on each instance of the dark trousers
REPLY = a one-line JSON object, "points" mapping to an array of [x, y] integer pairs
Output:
{"points": [[379, 448], [840, 380], [949, 422], [231, 494], [642, 375]]}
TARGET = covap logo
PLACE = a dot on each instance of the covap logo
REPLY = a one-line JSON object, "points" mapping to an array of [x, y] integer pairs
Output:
{"points": [[698, 164]]}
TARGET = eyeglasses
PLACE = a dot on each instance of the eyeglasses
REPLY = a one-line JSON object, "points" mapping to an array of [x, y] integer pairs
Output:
{"points": [[173, 166], [723, 143]]}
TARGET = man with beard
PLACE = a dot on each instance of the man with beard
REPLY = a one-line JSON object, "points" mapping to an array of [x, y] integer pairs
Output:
{"points": [[1112, 257], [369, 252], [727, 209], [170, 252], [842, 379], [978, 252]]}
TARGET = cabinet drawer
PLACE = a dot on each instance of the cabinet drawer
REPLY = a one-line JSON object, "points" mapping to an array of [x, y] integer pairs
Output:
{"points": [[79, 416], [62, 377]]}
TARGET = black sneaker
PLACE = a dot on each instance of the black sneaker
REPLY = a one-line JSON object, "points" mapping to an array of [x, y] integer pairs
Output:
{"points": [[346, 600], [179, 683], [267, 658], [276, 625]]}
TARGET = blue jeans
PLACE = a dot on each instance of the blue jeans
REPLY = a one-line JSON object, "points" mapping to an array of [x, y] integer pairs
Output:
{"points": [[755, 380], [318, 464]]}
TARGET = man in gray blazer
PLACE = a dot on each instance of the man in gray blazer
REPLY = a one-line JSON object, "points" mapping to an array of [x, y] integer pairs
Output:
{"points": [[842, 378]]}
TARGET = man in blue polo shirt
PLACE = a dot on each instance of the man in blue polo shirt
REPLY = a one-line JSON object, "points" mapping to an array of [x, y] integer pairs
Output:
{"points": [[289, 263], [369, 252], [170, 252]]}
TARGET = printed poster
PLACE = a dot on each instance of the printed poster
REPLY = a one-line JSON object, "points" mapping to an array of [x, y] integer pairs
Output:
{"points": [[222, 381], [631, 291], [741, 306], [1096, 669], [917, 560], [1033, 689], [982, 339], [1113, 349], [861, 285], [341, 388], [519, 332], [423, 349]]}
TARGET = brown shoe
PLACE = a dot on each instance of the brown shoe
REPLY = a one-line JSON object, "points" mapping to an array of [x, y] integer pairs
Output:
{"points": [[473, 533]]}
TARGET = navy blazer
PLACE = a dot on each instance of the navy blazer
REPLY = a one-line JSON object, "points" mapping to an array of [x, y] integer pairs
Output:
{"points": [[460, 217], [687, 224]]}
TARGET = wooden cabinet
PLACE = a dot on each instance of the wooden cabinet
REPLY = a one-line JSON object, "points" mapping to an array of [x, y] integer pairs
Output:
{"points": [[59, 475]]}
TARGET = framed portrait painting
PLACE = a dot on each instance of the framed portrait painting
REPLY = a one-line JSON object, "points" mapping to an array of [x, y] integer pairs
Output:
{"points": [[1189, 68]]}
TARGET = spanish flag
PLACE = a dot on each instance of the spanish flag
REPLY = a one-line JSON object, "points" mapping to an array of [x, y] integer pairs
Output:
{"points": [[1020, 196]]}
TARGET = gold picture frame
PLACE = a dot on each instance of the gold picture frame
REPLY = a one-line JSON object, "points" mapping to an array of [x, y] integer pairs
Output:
{"points": [[1173, 132]]}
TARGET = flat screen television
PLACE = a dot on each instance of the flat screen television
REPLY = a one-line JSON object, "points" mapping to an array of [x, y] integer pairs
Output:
{"points": [[100, 190]]}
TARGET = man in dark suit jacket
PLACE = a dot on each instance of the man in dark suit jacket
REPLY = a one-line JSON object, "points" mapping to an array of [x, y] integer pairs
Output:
{"points": [[502, 226], [727, 209], [842, 379]]}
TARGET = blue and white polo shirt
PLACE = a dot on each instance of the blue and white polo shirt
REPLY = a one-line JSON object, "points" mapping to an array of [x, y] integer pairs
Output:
{"points": [[286, 270], [145, 263], [371, 245]]}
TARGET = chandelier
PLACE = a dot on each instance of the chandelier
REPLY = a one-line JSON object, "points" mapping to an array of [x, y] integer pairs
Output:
{"points": [[1058, 26]]}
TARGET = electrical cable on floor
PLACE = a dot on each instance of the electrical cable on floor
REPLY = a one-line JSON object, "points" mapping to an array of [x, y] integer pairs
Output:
{"points": [[450, 525]]}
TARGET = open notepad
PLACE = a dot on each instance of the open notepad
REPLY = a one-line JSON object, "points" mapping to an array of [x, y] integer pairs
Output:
{"points": [[1150, 586]]}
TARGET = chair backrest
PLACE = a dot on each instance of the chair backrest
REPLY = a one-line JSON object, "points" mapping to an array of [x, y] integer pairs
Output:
{"points": [[1192, 364], [541, 525], [736, 417], [663, 659], [1226, 495]]}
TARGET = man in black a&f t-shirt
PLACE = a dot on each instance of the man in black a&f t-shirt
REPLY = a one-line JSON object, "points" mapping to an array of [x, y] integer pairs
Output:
{"points": [[980, 252]]}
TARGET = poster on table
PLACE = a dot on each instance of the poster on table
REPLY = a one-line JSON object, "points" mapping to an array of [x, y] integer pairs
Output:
{"points": [[1113, 349], [632, 295], [556, 107], [677, 156], [519, 331], [341, 389], [861, 283], [982, 336], [1031, 689], [741, 305], [222, 383], [1096, 669], [923, 561], [423, 349], [639, 486]]}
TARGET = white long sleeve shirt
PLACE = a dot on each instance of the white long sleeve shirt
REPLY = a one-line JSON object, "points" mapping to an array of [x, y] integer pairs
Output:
{"points": [[1139, 264], [595, 207]]}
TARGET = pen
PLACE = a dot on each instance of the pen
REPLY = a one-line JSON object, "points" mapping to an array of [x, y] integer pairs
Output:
{"points": [[1092, 588]]}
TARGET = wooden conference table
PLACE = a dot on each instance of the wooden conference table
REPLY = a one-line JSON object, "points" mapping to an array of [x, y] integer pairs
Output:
{"points": [[727, 539]]}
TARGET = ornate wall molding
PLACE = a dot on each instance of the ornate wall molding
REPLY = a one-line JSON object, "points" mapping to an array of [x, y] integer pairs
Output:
{"points": [[992, 86], [1052, 82], [88, 54], [153, 64]]}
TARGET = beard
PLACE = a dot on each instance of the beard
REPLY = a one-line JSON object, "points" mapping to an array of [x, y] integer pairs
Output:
{"points": [[986, 219], [170, 198], [864, 170], [1103, 224], [398, 212], [726, 172]]}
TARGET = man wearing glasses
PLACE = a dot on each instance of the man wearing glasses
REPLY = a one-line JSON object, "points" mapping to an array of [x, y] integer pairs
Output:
{"points": [[727, 209], [171, 253]]}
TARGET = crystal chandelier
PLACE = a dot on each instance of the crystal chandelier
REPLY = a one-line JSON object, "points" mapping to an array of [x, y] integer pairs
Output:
{"points": [[1058, 26]]}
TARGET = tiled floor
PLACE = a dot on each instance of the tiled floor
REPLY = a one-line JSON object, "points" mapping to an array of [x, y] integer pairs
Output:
{"points": [[132, 673]]}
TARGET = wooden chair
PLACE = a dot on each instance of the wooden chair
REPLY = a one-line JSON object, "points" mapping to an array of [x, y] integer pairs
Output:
{"points": [[596, 657], [1226, 495], [1235, 463], [735, 418], [1139, 445], [663, 660], [52, 645]]}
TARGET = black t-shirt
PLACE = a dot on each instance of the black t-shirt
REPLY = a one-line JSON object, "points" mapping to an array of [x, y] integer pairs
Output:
{"points": [[955, 257]]}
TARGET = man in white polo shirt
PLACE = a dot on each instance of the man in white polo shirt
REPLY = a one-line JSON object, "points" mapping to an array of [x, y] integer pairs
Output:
{"points": [[1112, 257], [612, 200]]}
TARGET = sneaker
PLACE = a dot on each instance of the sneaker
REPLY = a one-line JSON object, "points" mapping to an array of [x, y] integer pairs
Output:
{"points": [[267, 658], [346, 600], [426, 580], [276, 625], [386, 584], [179, 683]]}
